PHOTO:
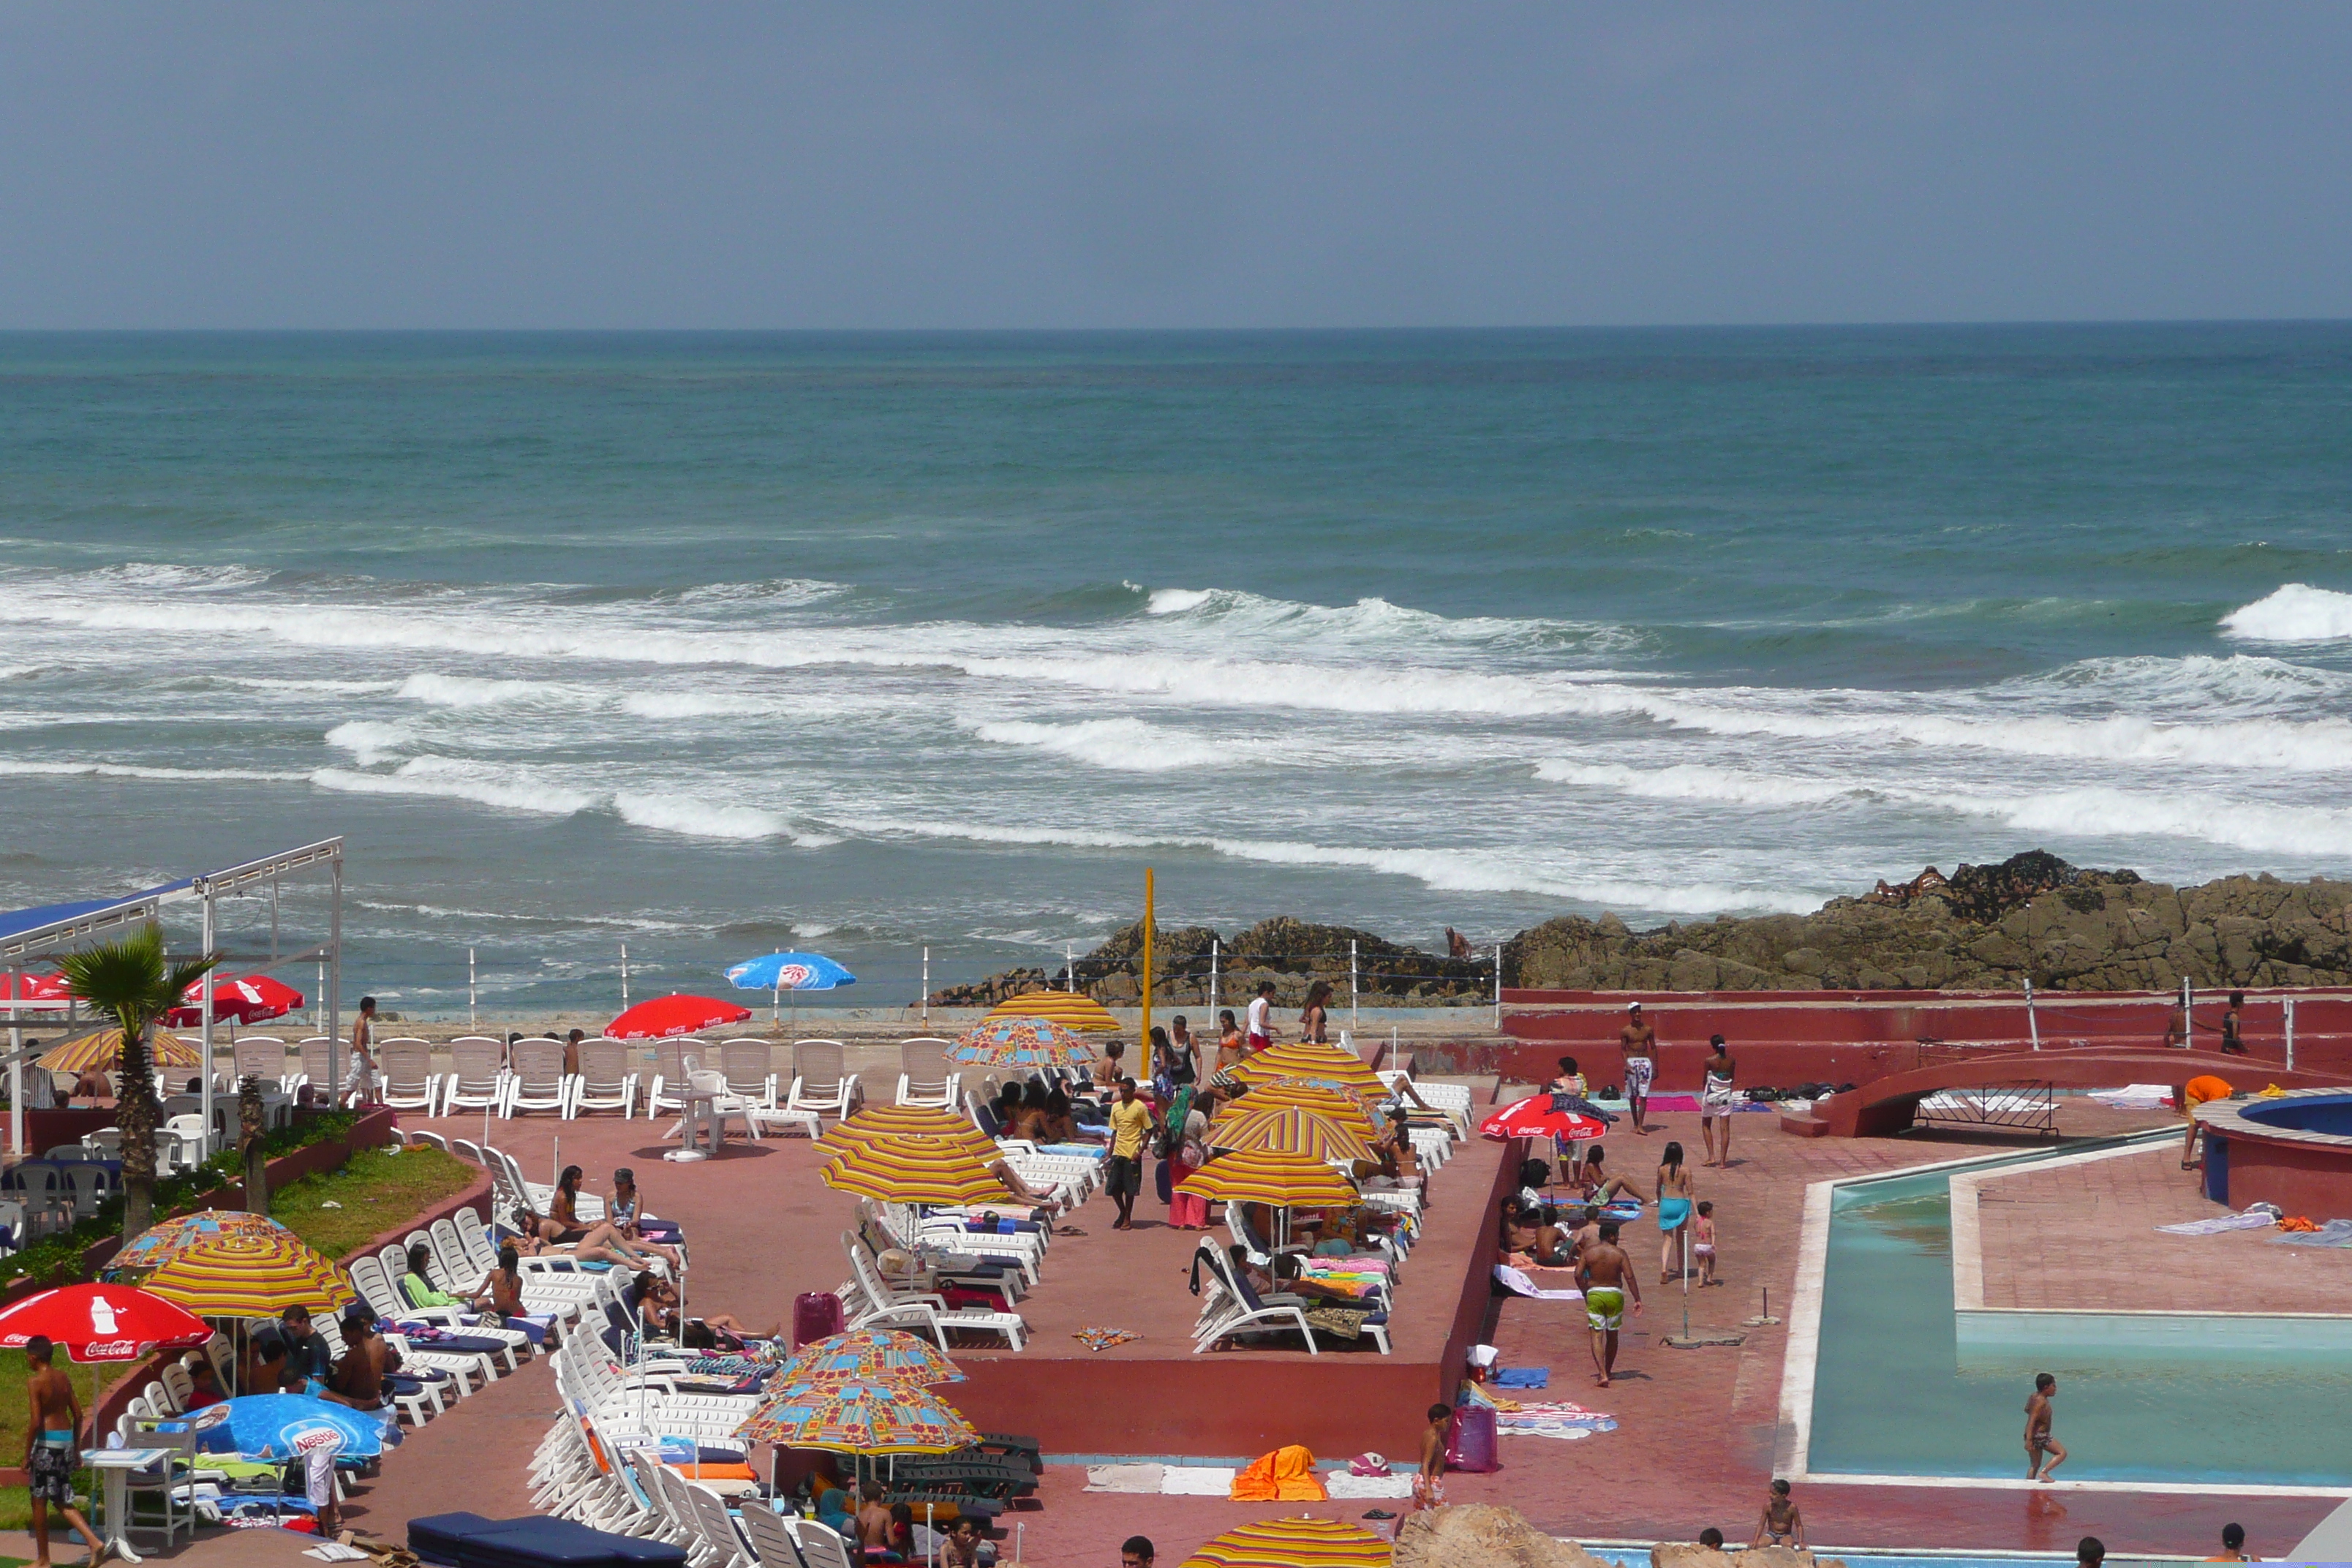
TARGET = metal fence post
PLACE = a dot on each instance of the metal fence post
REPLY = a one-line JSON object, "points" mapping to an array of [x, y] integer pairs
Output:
{"points": [[2033, 1028], [1498, 986], [1354, 1013], [2289, 1034], [1213, 979], [927, 985]]}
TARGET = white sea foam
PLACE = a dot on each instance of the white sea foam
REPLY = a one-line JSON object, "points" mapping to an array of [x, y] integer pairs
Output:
{"points": [[1126, 745], [370, 741], [510, 789], [140, 770], [1232, 613], [700, 819], [1694, 782], [472, 691], [2294, 613]]}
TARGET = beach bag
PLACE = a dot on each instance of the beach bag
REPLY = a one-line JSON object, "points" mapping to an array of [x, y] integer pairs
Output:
{"points": [[1470, 1445], [1165, 1181], [817, 1315]]}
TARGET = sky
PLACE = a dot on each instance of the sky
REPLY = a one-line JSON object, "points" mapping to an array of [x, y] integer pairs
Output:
{"points": [[1197, 164]]}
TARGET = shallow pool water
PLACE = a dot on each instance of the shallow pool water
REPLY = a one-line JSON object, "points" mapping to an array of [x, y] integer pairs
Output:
{"points": [[1890, 1396]]}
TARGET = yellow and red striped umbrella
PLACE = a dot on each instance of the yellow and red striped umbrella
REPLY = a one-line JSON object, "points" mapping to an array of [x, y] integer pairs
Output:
{"points": [[1261, 1176], [1071, 1009], [911, 1168], [1346, 1108], [1315, 1064], [883, 1122], [1289, 1129], [103, 1051], [1304, 1542], [248, 1277]]}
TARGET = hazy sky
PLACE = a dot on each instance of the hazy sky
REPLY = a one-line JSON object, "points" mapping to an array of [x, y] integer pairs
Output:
{"points": [[714, 164]]}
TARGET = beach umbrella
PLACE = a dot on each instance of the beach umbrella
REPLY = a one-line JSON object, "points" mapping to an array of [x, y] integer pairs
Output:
{"points": [[1290, 1130], [872, 1416], [1022, 1042], [102, 1051], [1264, 1176], [878, 1122], [781, 972], [152, 1246], [248, 1277], [1341, 1106], [1073, 1010], [1311, 1064], [1304, 1542], [665, 1016], [38, 988], [870, 1355], [1548, 1116], [909, 1168], [101, 1322], [237, 999], [276, 1428]]}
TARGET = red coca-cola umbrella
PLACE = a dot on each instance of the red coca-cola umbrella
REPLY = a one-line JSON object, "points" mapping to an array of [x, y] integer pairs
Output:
{"points": [[1546, 1116], [237, 999], [38, 988], [667, 1015], [101, 1322]]}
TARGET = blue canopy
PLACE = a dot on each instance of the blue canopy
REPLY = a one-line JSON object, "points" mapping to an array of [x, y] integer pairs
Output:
{"points": [[789, 972], [272, 1426], [15, 922]]}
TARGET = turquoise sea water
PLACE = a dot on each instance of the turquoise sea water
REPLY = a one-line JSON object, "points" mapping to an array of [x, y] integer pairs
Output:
{"points": [[1893, 1396], [709, 644]]}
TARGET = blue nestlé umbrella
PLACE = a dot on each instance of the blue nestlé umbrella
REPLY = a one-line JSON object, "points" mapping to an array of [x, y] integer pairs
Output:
{"points": [[781, 972], [272, 1426]]}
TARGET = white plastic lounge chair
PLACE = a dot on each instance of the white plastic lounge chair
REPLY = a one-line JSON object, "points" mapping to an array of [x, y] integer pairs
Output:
{"points": [[607, 1080], [478, 1077], [819, 1082], [924, 1078], [537, 1080], [749, 1073], [666, 1091], [409, 1081]]}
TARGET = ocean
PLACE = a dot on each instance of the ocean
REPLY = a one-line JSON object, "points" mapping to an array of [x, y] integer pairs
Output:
{"points": [[869, 642]]}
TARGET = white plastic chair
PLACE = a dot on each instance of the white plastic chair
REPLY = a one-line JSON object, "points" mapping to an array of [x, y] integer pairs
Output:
{"points": [[409, 1081], [263, 1057], [819, 1082], [750, 1070], [666, 1091], [607, 1080], [476, 1079], [537, 1080], [924, 1078]]}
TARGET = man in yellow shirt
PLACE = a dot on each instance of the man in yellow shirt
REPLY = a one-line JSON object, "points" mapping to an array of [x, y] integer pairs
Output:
{"points": [[1131, 1127]]}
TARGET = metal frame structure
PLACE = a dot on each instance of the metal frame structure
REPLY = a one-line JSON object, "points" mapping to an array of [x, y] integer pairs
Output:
{"points": [[2027, 1106], [140, 908]]}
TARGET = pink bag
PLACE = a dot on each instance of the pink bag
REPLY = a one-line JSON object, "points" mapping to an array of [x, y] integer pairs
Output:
{"points": [[816, 1316], [1471, 1445]]}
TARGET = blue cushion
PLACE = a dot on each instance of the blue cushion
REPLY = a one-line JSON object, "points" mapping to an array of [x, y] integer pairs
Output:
{"points": [[470, 1541]]}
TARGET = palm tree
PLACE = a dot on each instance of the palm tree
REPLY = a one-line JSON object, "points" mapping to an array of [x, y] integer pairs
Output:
{"points": [[129, 982]]}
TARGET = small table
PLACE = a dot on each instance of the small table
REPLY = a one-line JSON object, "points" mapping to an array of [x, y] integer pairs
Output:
{"points": [[116, 1465]]}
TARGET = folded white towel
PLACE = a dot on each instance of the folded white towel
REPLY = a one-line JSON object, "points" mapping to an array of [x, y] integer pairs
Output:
{"points": [[1197, 1480], [1124, 1477]]}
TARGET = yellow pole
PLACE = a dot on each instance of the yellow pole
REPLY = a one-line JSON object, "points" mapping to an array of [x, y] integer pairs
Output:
{"points": [[1143, 1053]]}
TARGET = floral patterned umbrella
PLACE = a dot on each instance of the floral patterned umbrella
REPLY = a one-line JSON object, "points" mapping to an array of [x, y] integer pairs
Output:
{"points": [[1022, 1042], [870, 1355], [152, 1246], [874, 1417]]}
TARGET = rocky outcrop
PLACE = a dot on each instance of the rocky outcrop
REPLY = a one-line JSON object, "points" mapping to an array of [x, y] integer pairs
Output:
{"points": [[1987, 928], [1480, 1535], [1984, 928]]}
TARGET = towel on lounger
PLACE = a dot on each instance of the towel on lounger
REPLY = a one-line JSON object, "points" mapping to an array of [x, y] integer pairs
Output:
{"points": [[1286, 1475]]}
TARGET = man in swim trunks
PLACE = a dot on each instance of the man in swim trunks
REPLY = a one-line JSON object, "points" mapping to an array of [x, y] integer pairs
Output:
{"points": [[2043, 1453], [1640, 1044], [51, 1437], [1606, 1275]]}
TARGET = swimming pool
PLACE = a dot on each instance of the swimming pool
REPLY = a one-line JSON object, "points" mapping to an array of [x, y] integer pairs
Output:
{"points": [[1893, 1394]]}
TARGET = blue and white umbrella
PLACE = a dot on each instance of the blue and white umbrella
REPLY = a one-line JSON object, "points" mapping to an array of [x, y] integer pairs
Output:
{"points": [[781, 972], [277, 1428]]}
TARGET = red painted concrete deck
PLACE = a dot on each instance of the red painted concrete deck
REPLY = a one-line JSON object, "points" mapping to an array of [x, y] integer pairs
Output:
{"points": [[1696, 1428]]}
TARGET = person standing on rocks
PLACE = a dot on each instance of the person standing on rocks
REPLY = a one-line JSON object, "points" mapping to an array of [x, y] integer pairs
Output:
{"points": [[1640, 1044]]}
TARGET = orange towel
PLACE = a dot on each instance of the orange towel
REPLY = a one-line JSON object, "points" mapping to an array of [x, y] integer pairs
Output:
{"points": [[1286, 1475]]}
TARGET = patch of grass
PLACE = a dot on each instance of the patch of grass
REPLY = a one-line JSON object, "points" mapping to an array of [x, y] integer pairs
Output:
{"points": [[377, 1190]]}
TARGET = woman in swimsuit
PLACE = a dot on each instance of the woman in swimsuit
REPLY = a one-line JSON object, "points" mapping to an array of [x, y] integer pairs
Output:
{"points": [[1675, 1191], [1232, 1049], [1596, 1185], [1314, 1022], [1715, 1104]]}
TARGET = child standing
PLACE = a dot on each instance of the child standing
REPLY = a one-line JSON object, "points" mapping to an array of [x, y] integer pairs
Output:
{"points": [[1429, 1481], [1702, 1244]]}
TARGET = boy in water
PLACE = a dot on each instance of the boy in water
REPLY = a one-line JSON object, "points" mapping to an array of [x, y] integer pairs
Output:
{"points": [[2043, 1453], [51, 1435]]}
